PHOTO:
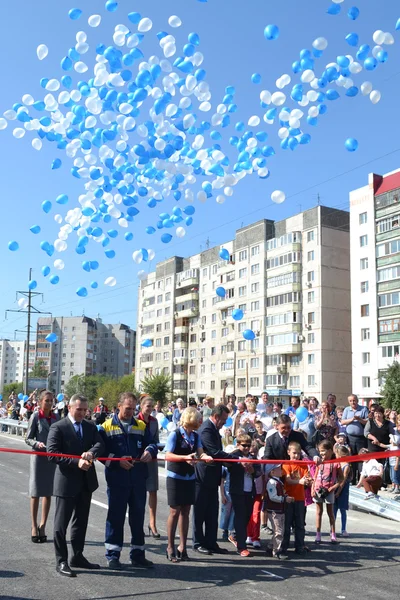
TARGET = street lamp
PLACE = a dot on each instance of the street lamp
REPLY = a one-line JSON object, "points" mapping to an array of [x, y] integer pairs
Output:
{"points": [[48, 377]]}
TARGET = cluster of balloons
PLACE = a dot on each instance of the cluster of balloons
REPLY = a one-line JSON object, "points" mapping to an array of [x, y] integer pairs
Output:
{"points": [[141, 130]]}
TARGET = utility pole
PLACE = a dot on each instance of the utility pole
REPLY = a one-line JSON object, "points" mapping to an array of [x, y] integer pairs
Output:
{"points": [[27, 309]]}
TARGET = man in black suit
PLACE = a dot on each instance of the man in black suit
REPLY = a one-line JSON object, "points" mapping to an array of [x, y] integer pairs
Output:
{"points": [[74, 482], [276, 445], [208, 479]]}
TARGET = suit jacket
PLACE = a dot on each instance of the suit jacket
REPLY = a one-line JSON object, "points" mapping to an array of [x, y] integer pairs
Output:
{"points": [[69, 480], [275, 448], [236, 470], [210, 441]]}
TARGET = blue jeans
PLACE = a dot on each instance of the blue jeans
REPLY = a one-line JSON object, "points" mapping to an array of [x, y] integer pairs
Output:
{"points": [[119, 499], [227, 515], [394, 475]]}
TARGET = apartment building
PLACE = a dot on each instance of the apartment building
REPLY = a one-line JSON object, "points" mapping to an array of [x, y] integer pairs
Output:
{"points": [[12, 362], [84, 346], [375, 280], [292, 281]]}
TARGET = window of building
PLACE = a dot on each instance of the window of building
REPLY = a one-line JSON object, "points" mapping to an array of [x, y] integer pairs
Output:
{"points": [[205, 272], [230, 276], [214, 269], [363, 263], [362, 219], [241, 382], [388, 248], [366, 382], [365, 334], [365, 310], [243, 307], [284, 299], [158, 356], [255, 288], [159, 299], [255, 269], [254, 363], [311, 318], [167, 311], [214, 318], [363, 241], [365, 358], [310, 255], [311, 297], [241, 363], [158, 327], [364, 287], [167, 296], [204, 304], [392, 299], [159, 312], [224, 331], [168, 281], [166, 340], [255, 250], [241, 345], [167, 326], [166, 356], [294, 381], [241, 327], [310, 276], [242, 255], [213, 350], [283, 259], [192, 370], [242, 291], [311, 380], [311, 359], [242, 273], [158, 343], [389, 273], [254, 382], [310, 236], [193, 338], [213, 368], [255, 305]]}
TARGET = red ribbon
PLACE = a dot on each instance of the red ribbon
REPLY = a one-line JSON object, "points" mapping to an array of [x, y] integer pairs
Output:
{"points": [[343, 459]]}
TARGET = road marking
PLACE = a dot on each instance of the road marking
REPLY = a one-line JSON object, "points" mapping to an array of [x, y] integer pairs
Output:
{"points": [[101, 504], [271, 574]]}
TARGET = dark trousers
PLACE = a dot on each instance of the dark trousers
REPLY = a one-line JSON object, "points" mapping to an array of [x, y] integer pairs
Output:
{"points": [[357, 443], [243, 507], [205, 517], [78, 509], [119, 499], [295, 516]]}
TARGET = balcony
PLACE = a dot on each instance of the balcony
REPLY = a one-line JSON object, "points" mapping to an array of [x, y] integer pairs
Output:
{"points": [[187, 309], [180, 376], [146, 358], [187, 278], [384, 261], [181, 330], [285, 349], [387, 286], [181, 360], [187, 297]]}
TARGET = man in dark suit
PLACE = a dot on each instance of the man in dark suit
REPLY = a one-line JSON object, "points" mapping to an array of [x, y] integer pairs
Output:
{"points": [[74, 482], [208, 479], [276, 445]]}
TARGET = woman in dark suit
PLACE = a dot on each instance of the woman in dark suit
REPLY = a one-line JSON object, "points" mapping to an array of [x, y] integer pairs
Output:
{"points": [[146, 408], [41, 474]]}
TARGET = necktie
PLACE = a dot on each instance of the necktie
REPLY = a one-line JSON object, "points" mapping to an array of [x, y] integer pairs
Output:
{"points": [[285, 442], [78, 431]]}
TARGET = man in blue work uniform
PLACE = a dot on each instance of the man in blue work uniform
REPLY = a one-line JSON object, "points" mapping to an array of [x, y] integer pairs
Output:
{"points": [[128, 438]]}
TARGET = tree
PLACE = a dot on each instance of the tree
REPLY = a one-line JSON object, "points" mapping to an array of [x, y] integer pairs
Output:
{"points": [[391, 387], [87, 385], [39, 369], [18, 388], [111, 389], [158, 387]]}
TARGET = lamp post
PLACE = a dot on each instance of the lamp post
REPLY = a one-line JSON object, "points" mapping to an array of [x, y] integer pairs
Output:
{"points": [[48, 377]]}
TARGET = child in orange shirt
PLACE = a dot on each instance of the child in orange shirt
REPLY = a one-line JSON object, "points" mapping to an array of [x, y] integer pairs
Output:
{"points": [[295, 477]]}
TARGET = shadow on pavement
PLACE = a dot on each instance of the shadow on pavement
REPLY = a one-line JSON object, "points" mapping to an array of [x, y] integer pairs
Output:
{"points": [[10, 575]]}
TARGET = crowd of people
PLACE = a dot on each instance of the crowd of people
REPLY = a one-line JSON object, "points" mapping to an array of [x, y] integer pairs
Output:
{"points": [[211, 465]]}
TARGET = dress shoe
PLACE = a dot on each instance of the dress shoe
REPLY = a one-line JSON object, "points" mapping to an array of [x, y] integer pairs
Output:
{"points": [[202, 550], [219, 550], [142, 563], [82, 563], [114, 565], [63, 569]]}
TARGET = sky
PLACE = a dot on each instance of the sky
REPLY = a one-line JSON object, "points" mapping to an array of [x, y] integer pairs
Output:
{"points": [[232, 41]]}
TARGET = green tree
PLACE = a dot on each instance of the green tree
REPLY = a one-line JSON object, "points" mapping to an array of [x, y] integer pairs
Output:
{"points": [[18, 388], [39, 369], [391, 387], [111, 389], [87, 385], [158, 387]]}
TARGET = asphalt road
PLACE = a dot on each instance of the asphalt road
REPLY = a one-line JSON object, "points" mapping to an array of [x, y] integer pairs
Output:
{"points": [[367, 565]]}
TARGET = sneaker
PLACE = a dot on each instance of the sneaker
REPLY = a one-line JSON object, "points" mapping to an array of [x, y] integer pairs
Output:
{"points": [[114, 564], [142, 563], [249, 541], [333, 538], [232, 540], [280, 555], [345, 534], [244, 553], [256, 544], [318, 538], [369, 496]]}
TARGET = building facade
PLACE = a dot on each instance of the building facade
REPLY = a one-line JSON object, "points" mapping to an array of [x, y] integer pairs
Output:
{"points": [[375, 280], [12, 362], [292, 281], [84, 346]]}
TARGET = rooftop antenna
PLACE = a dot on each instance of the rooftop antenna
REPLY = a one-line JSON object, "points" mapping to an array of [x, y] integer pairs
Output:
{"points": [[318, 200]]}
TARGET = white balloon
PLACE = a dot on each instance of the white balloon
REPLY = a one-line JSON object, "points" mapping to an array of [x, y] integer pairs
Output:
{"points": [[355, 68], [37, 144], [145, 25], [18, 133], [174, 21], [23, 302], [366, 88], [180, 232], [42, 51], [151, 253], [265, 96], [80, 67], [220, 199], [254, 121], [137, 256], [320, 43], [375, 96], [110, 281], [61, 245], [3, 124], [59, 264], [94, 20], [283, 133], [307, 76], [58, 219], [379, 37], [278, 98], [389, 39], [278, 197], [142, 275], [27, 99]]}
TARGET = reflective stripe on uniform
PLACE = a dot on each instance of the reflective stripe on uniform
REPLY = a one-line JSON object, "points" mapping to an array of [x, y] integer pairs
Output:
{"points": [[113, 547]]}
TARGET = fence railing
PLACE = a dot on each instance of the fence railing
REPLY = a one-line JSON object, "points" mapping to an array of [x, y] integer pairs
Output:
{"points": [[13, 426]]}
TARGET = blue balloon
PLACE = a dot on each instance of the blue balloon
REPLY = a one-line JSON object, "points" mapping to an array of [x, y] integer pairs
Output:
{"points": [[256, 78], [45, 271], [382, 56], [363, 52], [398, 25], [237, 314], [220, 291], [271, 32], [32, 284], [164, 423], [147, 343], [248, 334], [56, 164], [351, 144], [74, 14], [94, 285], [166, 238], [82, 292], [370, 63], [111, 6], [334, 9], [301, 414], [13, 246], [224, 254], [352, 39], [62, 199], [54, 279], [20, 396], [229, 422], [35, 229], [60, 397], [51, 338], [353, 13], [46, 206]]}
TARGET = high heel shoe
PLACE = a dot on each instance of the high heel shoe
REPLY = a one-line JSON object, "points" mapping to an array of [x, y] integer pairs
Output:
{"points": [[36, 538], [182, 555], [171, 556], [42, 538], [153, 534]]}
